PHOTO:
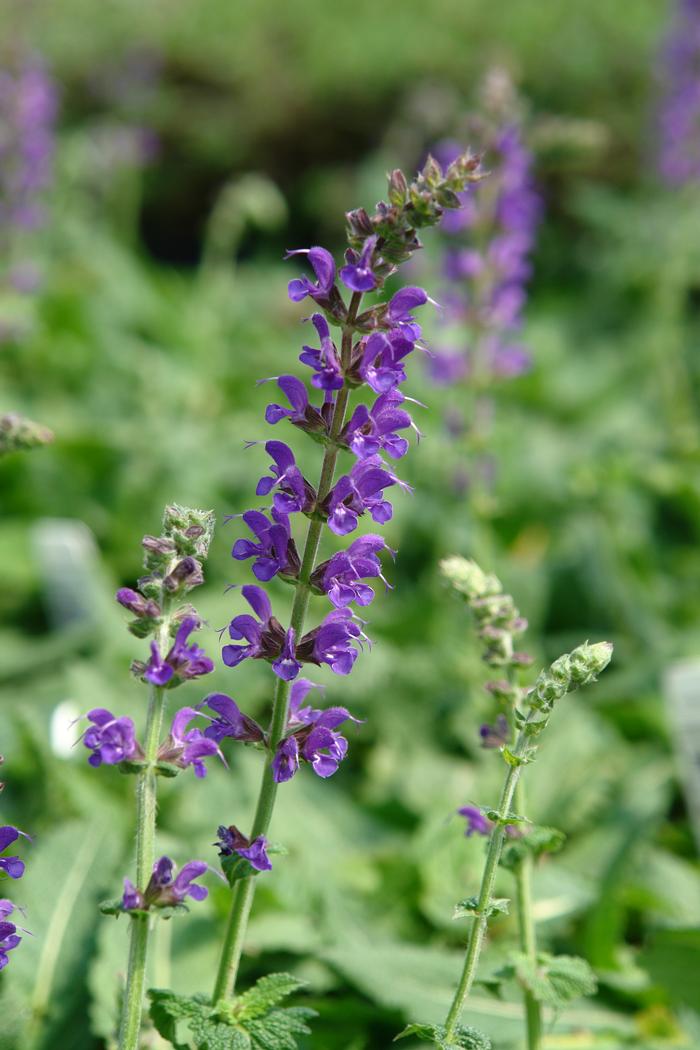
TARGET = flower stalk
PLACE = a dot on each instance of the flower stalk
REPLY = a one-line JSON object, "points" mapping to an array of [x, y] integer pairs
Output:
{"points": [[146, 804], [244, 891], [373, 349], [488, 879], [565, 675]]}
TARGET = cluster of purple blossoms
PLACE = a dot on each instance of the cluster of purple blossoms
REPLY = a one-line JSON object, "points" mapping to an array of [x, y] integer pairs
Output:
{"points": [[113, 741], [165, 889], [311, 735], [27, 113], [371, 355], [174, 567], [679, 116], [486, 264]]}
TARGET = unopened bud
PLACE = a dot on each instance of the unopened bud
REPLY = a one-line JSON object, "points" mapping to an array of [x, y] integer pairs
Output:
{"points": [[398, 188], [588, 661]]}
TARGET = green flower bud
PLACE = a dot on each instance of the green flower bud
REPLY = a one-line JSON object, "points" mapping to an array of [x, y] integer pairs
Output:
{"points": [[467, 578], [568, 672], [19, 434], [587, 661]]}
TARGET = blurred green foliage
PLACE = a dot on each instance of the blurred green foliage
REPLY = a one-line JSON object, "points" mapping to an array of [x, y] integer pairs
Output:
{"points": [[146, 374]]}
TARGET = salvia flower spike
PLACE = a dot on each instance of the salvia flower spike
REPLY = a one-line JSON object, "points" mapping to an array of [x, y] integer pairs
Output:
{"points": [[349, 348], [161, 611], [531, 709]]}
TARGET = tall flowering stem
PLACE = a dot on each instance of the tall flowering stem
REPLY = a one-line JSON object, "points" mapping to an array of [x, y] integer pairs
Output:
{"points": [[173, 563], [245, 890], [486, 267], [374, 346], [499, 626], [531, 710]]}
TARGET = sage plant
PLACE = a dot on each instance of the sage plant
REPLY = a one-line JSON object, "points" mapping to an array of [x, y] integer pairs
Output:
{"points": [[160, 611], [369, 356], [544, 978]]}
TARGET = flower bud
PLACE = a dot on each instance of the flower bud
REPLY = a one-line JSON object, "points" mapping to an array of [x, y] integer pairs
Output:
{"points": [[467, 578], [398, 188], [588, 661]]}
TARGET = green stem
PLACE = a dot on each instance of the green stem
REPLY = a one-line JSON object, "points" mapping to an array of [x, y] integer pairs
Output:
{"points": [[146, 788], [488, 880], [244, 891], [526, 929]]}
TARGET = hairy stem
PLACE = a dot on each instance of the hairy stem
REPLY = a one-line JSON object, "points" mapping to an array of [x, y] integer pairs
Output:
{"points": [[488, 880], [146, 788], [245, 889], [526, 929]]}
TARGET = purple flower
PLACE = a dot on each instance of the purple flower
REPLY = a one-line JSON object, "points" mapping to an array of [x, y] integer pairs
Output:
{"points": [[295, 493], [11, 866], [370, 431], [231, 721], [286, 666], [340, 577], [8, 932], [112, 740], [382, 364], [164, 890], [313, 739], [274, 551], [231, 841], [325, 362], [186, 747], [332, 642], [286, 760], [403, 302], [265, 637], [357, 274], [143, 608], [182, 662], [476, 821], [496, 735], [323, 266], [359, 491]]}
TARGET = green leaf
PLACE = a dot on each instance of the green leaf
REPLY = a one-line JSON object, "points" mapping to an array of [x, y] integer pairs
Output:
{"points": [[463, 1038], [470, 907], [278, 1029], [513, 759], [505, 818], [46, 994], [250, 1022], [166, 1010], [554, 979], [266, 994]]}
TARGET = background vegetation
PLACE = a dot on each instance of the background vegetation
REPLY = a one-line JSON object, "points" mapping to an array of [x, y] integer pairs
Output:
{"points": [[163, 301]]}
